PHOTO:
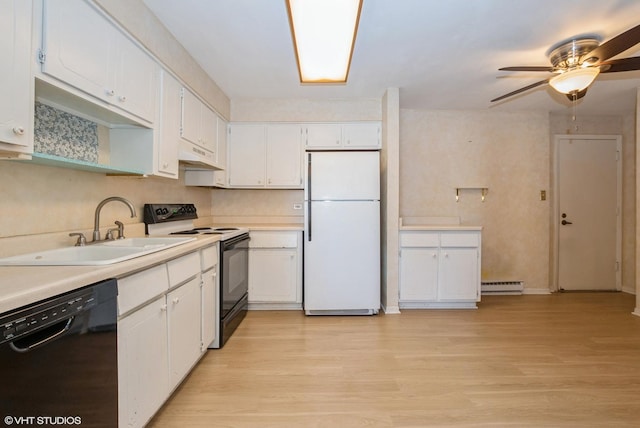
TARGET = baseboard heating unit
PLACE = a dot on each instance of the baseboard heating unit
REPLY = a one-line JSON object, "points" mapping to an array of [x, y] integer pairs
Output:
{"points": [[502, 287]]}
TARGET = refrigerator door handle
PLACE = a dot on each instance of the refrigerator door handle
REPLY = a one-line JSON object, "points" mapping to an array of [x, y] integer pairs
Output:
{"points": [[309, 196]]}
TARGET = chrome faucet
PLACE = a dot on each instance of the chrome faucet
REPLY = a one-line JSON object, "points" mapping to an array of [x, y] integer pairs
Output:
{"points": [[96, 227]]}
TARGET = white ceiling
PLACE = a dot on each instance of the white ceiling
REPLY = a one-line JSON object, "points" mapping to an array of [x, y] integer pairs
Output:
{"points": [[442, 54]]}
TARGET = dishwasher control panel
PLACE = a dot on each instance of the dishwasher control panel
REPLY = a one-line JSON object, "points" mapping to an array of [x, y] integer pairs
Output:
{"points": [[37, 316]]}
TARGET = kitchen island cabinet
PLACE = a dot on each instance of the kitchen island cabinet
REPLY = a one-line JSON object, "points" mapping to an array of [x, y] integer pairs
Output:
{"points": [[275, 270], [16, 83], [440, 268]]}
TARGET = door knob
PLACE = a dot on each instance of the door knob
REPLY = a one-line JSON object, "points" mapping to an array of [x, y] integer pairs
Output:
{"points": [[565, 222]]}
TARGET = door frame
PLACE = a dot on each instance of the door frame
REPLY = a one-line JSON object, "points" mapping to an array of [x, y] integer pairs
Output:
{"points": [[555, 214]]}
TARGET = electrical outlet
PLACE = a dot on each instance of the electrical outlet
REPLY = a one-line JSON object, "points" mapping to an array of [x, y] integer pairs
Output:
{"points": [[297, 206], [543, 195]]}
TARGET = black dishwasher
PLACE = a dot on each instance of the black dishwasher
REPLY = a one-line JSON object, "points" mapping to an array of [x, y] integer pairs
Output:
{"points": [[59, 361]]}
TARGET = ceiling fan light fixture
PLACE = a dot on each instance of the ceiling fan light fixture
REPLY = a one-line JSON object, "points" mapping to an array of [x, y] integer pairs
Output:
{"points": [[324, 33], [575, 80]]}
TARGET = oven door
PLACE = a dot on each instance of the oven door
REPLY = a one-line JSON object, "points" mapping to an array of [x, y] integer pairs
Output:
{"points": [[234, 272]]}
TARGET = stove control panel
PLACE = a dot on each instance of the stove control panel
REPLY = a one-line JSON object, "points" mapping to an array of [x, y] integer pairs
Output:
{"points": [[161, 213]]}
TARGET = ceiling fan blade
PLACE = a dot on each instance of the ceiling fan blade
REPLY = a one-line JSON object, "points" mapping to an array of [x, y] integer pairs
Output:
{"points": [[527, 68], [526, 88], [613, 47], [624, 64]]}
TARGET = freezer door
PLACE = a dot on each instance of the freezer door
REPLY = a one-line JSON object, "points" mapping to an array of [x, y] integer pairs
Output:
{"points": [[342, 259], [342, 176]]}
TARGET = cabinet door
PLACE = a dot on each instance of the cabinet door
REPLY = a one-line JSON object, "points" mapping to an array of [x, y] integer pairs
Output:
{"points": [[169, 138], [16, 83], [184, 306], [143, 382], [221, 129], [208, 296], [208, 130], [419, 274], [458, 274], [80, 46], [361, 135], [246, 158], [323, 135], [284, 156], [136, 85], [273, 275], [190, 130]]}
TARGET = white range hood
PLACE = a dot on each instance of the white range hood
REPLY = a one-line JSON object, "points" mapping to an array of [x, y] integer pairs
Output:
{"points": [[194, 155]]}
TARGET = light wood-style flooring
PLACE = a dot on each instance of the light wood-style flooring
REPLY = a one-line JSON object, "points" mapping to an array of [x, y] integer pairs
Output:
{"points": [[561, 360]]}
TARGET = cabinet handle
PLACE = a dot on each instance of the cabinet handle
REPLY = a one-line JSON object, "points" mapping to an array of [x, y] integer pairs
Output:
{"points": [[122, 98], [176, 300], [18, 130], [434, 255], [165, 165], [163, 308], [109, 92]]}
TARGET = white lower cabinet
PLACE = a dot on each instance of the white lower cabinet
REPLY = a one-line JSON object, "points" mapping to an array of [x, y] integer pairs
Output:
{"points": [[275, 270], [184, 318], [143, 364], [160, 331], [210, 290], [440, 269]]}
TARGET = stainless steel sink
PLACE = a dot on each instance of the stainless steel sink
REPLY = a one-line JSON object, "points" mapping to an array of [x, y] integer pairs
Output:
{"points": [[103, 253]]}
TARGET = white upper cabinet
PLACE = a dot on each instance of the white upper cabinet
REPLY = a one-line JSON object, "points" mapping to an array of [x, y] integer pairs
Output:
{"points": [[199, 123], [169, 130], [343, 136], [247, 154], [84, 49], [265, 156], [16, 83], [284, 156]]}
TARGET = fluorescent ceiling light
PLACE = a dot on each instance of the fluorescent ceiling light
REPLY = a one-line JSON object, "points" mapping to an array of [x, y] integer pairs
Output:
{"points": [[574, 81], [324, 33]]}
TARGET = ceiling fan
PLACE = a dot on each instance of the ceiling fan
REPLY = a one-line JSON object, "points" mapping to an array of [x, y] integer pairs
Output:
{"points": [[576, 63]]}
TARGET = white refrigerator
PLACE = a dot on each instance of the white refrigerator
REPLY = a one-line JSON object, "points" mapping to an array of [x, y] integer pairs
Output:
{"points": [[342, 233]]}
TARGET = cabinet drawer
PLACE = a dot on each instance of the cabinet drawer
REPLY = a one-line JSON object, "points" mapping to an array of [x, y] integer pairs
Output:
{"points": [[183, 268], [209, 257], [419, 239], [141, 287], [459, 239], [273, 240]]}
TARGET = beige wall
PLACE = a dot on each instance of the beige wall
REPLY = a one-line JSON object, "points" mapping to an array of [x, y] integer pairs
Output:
{"points": [[506, 152], [390, 195], [40, 199]]}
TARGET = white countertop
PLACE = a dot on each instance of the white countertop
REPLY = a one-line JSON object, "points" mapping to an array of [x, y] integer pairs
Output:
{"points": [[440, 227], [22, 285]]}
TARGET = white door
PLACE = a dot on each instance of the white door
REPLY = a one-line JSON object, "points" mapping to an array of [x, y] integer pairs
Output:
{"points": [[342, 176], [588, 183]]}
